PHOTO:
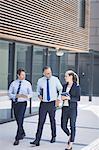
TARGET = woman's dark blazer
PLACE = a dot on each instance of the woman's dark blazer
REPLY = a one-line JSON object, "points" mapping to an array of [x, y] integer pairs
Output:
{"points": [[74, 94]]}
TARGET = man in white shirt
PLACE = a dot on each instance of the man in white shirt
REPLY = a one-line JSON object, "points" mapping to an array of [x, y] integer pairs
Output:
{"points": [[49, 91], [20, 91]]}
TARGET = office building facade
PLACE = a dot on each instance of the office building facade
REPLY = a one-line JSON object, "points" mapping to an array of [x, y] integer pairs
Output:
{"points": [[33, 33]]}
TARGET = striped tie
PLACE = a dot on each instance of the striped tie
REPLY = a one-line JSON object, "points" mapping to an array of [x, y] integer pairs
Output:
{"points": [[18, 90]]}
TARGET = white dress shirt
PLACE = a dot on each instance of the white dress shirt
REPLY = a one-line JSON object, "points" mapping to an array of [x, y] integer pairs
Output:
{"points": [[54, 86], [25, 89]]}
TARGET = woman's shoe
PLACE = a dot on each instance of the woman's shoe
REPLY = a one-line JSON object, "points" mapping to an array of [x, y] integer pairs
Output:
{"points": [[68, 142], [68, 149]]}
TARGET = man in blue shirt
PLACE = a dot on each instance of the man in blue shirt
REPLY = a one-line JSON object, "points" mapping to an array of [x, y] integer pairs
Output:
{"points": [[49, 91], [20, 91]]}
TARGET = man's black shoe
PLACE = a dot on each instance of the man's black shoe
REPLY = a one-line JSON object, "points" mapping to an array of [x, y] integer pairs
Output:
{"points": [[34, 143], [16, 142], [53, 140]]}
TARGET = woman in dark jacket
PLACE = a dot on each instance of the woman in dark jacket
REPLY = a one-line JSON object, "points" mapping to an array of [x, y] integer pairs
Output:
{"points": [[70, 97]]}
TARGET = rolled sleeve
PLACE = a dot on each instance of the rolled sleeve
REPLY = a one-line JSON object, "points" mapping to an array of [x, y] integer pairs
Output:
{"points": [[11, 93], [30, 91], [59, 88], [38, 88]]}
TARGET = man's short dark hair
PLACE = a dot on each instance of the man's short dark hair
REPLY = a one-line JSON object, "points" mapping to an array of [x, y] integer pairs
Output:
{"points": [[20, 70], [46, 67]]}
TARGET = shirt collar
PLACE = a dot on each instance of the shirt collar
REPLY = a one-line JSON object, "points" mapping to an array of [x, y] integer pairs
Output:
{"points": [[47, 78], [20, 80]]}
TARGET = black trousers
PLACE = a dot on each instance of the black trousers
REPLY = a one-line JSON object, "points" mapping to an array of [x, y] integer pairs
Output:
{"points": [[46, 107], [19, 111], [69, 113]]}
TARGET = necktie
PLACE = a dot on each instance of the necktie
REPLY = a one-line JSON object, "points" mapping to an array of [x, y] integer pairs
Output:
{"points": [[18, 90], [48, 91]]}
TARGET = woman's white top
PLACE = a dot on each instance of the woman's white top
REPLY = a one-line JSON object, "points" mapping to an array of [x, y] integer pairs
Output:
{"points": [[65, 102]]}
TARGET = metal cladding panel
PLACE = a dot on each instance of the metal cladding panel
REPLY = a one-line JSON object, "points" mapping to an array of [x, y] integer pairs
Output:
{"points": [[53, 23]]}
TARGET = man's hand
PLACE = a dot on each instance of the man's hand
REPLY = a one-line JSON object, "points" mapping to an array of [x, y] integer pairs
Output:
{"points": [[57, 102], [24, 96], [21, 96], [18, 96], [40, 97]]}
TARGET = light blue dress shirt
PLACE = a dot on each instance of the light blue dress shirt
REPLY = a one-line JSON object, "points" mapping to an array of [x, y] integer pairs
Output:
{"points": [[54, 86], [25, 89]]}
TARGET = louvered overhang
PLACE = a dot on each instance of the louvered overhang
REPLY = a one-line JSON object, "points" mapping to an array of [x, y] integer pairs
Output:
{"points": [[53, 23]]}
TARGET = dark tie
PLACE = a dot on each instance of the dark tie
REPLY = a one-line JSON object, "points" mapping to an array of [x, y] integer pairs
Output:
{"points": [[48, 91], [18, 90]]}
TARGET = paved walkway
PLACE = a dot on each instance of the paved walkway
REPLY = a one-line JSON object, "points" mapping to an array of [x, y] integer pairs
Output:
{"points": [[87, 135]]}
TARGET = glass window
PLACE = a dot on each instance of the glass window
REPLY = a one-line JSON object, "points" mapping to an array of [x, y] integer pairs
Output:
{"points": [[5, 103], [23, 58], [38, 63], [63, 66], [71, 61], [11, 63], [53, 61], [4, 46]]}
